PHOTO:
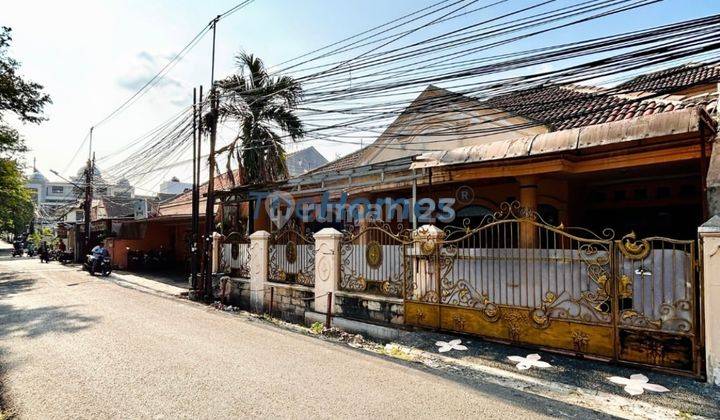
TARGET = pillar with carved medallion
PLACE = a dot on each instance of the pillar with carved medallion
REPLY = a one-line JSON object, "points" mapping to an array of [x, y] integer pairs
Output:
{"points": [[259, 245], [327, 267]]}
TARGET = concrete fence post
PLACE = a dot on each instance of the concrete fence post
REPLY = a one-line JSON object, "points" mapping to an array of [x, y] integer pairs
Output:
{"points": [[216, 251], [259, 246], [327, 267], [427, 241], [709, 234]]}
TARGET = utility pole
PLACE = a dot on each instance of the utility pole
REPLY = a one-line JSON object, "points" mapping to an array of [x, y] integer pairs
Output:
{"points": [[194, 228], [210, 199], [196, 195], [88, 193]]}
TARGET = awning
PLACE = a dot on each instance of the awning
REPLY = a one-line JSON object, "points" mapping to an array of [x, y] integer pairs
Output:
{"points": [[650, 126]]}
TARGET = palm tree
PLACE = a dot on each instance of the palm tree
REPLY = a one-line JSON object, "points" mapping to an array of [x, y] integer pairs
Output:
{"points": [[263, 106]]}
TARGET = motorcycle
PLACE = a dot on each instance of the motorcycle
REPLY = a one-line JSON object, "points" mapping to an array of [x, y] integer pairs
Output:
{"points": [[17, 252], [45, 256], [64, 257], [103, 265]]}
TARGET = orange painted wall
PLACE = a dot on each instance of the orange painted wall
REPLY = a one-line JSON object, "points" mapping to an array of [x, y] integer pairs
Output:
{"points": [[157, 235]]}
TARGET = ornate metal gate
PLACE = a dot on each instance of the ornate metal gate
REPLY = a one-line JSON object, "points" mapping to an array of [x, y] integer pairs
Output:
{"points": [[658, 302], [236, 254], [518, 279], [292, 256], [374, 259]]}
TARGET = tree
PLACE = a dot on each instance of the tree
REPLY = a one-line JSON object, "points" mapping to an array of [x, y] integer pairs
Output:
{"points": [[16, 204], [17, 95], [43, 234], [26, 100], [264, 108]]}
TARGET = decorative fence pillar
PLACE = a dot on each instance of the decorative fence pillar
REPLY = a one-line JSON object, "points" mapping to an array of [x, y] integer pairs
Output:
{"points": [[259, 245], [327, 267], [426, 240], [710, 239], [216, 251]]}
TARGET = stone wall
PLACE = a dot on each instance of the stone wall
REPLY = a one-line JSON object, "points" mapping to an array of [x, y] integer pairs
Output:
{"points": [[237, 292], [369, 308], [289, 301]]}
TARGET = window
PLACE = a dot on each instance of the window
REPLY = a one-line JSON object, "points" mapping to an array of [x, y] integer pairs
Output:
{"points": [[56, 189], [79, 215]]}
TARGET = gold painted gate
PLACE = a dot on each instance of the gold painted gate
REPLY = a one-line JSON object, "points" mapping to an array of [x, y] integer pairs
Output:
{"points": [[517, 279]]}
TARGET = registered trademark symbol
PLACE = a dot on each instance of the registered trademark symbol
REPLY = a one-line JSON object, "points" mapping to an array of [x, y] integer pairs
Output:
{"points": [[465, 195]]}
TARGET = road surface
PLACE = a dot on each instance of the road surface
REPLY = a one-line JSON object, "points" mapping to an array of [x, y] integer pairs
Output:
{"points": [[76, 346]]}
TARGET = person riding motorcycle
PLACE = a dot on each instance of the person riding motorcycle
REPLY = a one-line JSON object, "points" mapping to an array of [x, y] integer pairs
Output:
{"points": [[30, 249], [17, 248], [99, 253], [44, 252]]}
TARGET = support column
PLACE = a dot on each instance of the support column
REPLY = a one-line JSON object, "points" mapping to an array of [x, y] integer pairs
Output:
{"points": [[427, 241], [528, 200], [259, 245], [327, 267], [712, 181], [709, 234]]}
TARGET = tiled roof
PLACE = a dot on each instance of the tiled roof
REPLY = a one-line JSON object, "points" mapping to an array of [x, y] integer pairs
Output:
{"points": [[304, 160], [118, 207], [564, 107], [673, 79], [345, 162]]}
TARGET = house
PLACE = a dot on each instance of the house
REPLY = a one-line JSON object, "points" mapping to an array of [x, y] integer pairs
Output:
{"points": [[575, 212], [628, 158], [304, 160]]}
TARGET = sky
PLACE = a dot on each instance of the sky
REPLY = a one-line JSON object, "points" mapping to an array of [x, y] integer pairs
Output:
{"points": [[93, 55]]}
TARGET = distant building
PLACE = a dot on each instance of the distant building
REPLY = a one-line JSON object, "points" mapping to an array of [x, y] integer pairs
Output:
{"points": [[60, 199], [303, 161], [174, 186]]}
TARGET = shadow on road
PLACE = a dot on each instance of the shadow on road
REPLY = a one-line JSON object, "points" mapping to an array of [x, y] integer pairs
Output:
{"points": [[28, 322], [32, 322]]}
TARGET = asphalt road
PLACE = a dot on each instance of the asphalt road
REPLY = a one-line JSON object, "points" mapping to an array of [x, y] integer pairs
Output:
{"points": [[82, 347]]}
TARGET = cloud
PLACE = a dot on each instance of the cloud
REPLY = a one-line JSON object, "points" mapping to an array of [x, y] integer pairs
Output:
{"points": [[144, 68]]}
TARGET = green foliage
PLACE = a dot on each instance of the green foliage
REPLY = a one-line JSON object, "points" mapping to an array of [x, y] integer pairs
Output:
{"points": [[16, 205], [317, 327], [264, 108], [43, 234], [26, 100], [17, 95]]}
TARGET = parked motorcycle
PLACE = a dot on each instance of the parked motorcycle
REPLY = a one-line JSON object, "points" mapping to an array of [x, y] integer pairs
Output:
{"points": [[64, 257], [102, 266], [17, 252]]}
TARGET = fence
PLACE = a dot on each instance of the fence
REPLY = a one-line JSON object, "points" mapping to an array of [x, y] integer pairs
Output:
{"points": [[516, 278], [292, 256], [374, 259], [235, 258], [513, 277]]}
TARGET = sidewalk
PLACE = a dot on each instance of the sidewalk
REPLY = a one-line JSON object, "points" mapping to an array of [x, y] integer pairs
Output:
{"points": [[687, 396], [152, 283]]}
